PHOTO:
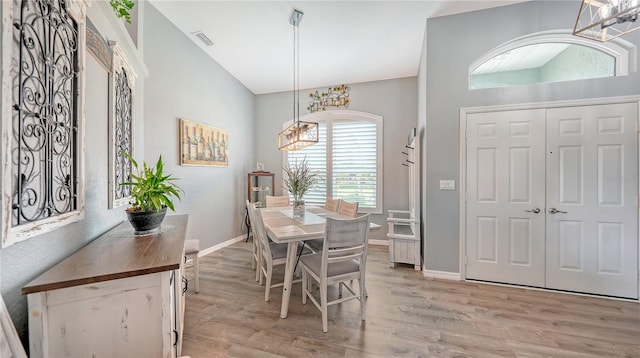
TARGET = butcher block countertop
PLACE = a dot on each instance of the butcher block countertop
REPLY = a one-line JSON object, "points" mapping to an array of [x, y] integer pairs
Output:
{"points": [[118, 254]]}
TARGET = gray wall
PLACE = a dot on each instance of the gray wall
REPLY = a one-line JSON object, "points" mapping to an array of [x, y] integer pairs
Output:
{"points": [[453, 43], [25, 260], [184, 82], [395, 100]]}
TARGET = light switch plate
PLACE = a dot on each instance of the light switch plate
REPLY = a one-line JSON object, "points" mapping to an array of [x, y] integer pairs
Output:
{"points": [[447, 185]]}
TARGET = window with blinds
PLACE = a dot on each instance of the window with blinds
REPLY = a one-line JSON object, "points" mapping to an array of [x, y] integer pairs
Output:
{"points": [[355, 161], [316, 155], [348, 157]]}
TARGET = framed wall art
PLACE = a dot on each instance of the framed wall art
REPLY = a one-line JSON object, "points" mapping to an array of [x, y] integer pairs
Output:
{"points": [[201, 144]]}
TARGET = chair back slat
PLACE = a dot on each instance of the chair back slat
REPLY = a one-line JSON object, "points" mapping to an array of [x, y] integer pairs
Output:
{"points": [[348, 209], [332, 204], [345, 239], [259, 231], [277, 201]]}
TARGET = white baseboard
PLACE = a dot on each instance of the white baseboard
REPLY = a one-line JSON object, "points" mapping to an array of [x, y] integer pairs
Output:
{"points": [[222, 245], [444, 275], [379, 242]]}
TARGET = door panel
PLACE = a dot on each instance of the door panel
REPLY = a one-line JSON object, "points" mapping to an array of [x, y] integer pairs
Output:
{"points": [[592, 180], [505, 152]]}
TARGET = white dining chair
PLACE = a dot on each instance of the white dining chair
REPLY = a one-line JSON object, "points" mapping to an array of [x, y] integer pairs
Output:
{"points": [[271, 253], [348, 208], [255, 253], [343, 258], [276, 201], [192, 249]]}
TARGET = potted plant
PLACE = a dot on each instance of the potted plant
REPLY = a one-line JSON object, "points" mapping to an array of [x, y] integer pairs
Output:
{"points": [[151, 192], [298, 179]]}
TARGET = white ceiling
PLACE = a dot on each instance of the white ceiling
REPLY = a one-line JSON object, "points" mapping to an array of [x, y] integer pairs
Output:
{"points": [[340, 41]]}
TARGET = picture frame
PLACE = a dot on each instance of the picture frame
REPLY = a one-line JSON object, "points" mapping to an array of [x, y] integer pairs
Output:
{"points": [[203, 145]]}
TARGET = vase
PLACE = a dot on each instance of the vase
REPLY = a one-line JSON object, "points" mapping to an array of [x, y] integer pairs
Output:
{"points": [[298, 208]]}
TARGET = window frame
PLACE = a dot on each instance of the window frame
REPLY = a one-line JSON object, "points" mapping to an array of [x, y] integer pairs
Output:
{"points": [[120, 66], [624, 52], [329, 117]]}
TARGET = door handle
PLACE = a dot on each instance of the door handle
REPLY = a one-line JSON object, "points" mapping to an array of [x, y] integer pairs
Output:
{"points": [[556, 211], [534, 210]]}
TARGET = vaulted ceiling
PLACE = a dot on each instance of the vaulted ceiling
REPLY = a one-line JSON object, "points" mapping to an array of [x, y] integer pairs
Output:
{"points": [[340, 41]]}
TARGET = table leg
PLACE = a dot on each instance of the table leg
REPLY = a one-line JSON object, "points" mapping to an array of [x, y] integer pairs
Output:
{"points": [[288, 278]]}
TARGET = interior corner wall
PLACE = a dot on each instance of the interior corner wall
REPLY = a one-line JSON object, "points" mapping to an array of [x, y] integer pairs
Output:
{"points": [[421, 129], [453, 44], [184, 82], [395, 100]]}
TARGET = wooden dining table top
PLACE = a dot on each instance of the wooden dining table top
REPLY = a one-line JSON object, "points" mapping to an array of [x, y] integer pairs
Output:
{"points": [[282, 227]]}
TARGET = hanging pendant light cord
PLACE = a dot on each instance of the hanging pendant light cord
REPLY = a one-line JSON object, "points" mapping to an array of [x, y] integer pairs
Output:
{"points": [[296, 76]]}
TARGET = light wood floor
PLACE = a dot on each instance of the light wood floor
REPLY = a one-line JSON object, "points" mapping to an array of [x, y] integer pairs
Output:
{"points": [[407, 316]]}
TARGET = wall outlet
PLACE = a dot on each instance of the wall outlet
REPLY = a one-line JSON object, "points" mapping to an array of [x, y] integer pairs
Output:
{"points": [[447, 185]]}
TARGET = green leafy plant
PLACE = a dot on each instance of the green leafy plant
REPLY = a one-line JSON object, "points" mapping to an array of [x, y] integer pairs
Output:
{"points": [[299, 178], [150, 187], [122, 8]]}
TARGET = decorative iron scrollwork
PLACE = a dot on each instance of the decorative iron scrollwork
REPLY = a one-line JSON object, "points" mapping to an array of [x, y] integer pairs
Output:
{"points": [[45, 119], [123, 133]]}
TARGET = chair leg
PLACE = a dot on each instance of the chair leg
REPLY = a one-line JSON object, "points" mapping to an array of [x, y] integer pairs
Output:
{"points": [[254, 258], [340, 284], [363, 298], [196, 266], [260, 272], [267, 285], [305, 287], [323, 306], [258, 265]]}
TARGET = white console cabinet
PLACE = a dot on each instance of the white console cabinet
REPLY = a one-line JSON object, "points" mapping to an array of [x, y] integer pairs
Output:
{"points": [[119, 296]]}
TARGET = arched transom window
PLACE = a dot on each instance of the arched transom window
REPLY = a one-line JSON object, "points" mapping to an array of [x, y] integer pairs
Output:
{"points": [[549, 57]]}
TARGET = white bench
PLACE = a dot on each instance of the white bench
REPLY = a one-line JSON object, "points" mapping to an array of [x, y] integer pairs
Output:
{"points": [[404, 238]]}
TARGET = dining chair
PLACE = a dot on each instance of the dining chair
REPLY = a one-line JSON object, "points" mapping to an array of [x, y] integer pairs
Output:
{"points": [[343, 258], [332, 204], [255, 254], [275, 201], [271, 254], [348, 209]]}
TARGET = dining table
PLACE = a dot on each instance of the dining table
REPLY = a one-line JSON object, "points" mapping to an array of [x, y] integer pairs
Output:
{"points": [[283, 227]]}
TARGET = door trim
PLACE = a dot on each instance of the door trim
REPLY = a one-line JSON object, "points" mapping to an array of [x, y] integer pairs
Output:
{"points": [[464, 111]]}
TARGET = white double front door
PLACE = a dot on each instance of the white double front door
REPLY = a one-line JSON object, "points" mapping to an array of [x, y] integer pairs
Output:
{"points": [[552, 197]]}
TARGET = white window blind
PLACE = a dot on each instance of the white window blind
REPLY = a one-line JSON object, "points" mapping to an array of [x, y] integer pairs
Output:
{"points": [[355, 162], [348, 156], [316, 155]]}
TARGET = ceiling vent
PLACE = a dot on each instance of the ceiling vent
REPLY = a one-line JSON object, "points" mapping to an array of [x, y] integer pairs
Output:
{"points": [[207, 41]]}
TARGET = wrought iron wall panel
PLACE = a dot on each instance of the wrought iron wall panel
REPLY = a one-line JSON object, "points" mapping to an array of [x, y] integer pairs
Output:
{"points": [[45, 111], [123, 141], [122, 124]]}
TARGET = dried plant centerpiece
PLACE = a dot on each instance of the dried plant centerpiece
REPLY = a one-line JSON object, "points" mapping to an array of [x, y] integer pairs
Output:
{"points": [[298, 179]]}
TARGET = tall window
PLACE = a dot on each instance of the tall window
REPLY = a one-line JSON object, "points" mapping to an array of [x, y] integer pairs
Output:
{"points": [[348, 156]]}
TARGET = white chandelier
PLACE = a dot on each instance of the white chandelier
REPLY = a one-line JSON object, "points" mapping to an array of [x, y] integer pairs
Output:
{"points": [[603, 20]]}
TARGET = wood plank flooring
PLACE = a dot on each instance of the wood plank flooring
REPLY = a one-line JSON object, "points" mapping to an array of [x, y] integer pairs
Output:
{"points": [[407, 316]]}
